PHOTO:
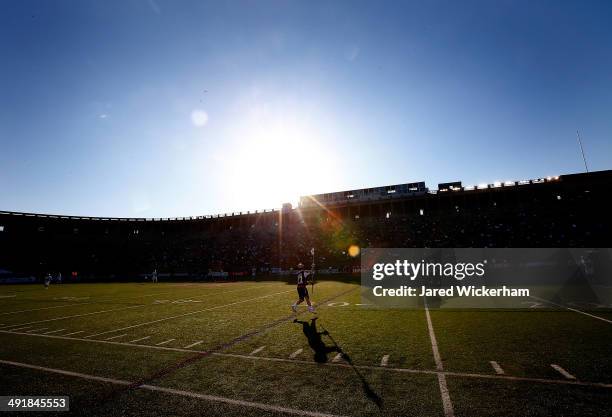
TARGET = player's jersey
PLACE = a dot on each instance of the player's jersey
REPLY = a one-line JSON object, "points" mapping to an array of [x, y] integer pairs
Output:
{"points": [[302, 278]]}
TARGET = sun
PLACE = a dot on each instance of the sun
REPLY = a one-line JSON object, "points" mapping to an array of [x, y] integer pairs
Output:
{"points": [[277, 160]]}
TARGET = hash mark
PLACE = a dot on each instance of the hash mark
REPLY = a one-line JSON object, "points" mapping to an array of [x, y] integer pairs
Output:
{"points": [[138, 340], [498, 369], [116, 337], [193, 344], [256, 351], [294, 354], [384, 361], [36, 330], [54, 331], [562, 371]]}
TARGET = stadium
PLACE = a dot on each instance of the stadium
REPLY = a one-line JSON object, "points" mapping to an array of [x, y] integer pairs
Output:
{"points": [[338, 208], [216, 331], [564, 211]]}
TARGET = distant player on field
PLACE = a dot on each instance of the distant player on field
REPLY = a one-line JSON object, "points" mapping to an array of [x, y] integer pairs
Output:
{"points": [[302, 281], [47, 281], [154, 276]]}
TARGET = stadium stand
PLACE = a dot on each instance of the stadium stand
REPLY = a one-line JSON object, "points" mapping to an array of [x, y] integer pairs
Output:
{"points": [[566, 211]]}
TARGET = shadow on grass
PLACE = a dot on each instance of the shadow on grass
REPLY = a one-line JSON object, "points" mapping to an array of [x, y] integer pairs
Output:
{"points": [[315, 341], [320, 349]]}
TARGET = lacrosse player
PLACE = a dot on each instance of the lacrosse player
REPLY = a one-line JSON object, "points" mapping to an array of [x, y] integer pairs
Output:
{"points": [[302, 282]]}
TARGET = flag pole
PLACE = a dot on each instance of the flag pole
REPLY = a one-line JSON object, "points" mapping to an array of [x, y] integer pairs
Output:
{"points": [[582, 150]]}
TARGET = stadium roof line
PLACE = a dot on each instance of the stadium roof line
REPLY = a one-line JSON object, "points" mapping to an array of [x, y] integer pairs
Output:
{"points": [[497, 184]]}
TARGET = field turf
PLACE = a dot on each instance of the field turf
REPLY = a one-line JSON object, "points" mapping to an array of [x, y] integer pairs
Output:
{"points": [[236, 349]]}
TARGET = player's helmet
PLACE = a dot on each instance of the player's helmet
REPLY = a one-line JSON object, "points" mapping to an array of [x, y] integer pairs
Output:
{"points": [[300, 266]]}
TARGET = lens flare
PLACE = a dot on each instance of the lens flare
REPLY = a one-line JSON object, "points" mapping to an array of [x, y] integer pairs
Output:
{"points": [[353, 251], [199, 118]]}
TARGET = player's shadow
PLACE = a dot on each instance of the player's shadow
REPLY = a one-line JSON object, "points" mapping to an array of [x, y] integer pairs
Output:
{"points": [[321, 350], [315, 341]]}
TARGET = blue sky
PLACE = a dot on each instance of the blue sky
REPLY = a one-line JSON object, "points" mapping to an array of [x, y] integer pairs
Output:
{"points": [[177, 108]]}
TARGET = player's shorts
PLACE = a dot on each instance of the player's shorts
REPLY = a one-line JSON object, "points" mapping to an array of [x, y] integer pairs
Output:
{"points": [[302, 292]]}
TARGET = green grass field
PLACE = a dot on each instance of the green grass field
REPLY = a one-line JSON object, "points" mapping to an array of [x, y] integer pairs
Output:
{"points": [[236, 349]]}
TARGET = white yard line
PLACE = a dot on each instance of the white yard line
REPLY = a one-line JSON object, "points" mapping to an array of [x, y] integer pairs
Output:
{"points": [[190, 394], [194, 344], [498, 369], [54, 331], [562, 371], [116, 337], [44, 308], [384, 361], [256, 351], [226, 292], [241, 403], [164, 342], [63, 372], [296, 353], [88, 303], [80, 331], [75, 315], [188, 314], [447, 405], [37, 330], [22, 328], [434, 342], [159, 293], [211, 294], [82, 304], [343, 365], [138, 340], [574, 310], [423, 371]]}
